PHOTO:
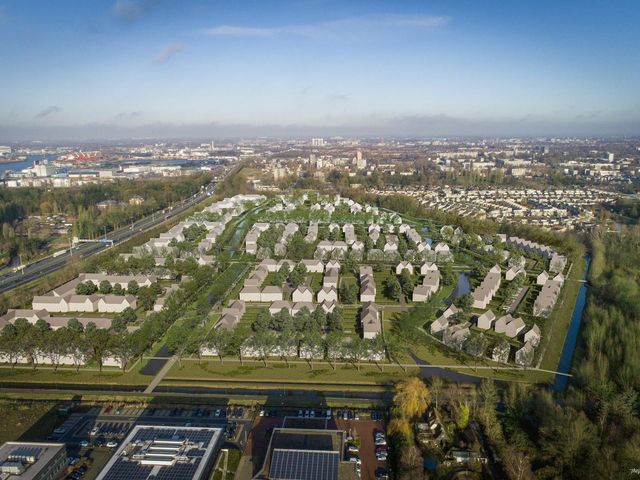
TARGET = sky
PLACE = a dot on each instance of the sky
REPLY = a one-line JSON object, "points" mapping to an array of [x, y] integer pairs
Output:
{"points": [[160, 68]]}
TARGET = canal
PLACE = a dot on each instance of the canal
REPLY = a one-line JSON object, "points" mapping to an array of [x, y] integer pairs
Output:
{"points": [[570, 341], [462, 288]]}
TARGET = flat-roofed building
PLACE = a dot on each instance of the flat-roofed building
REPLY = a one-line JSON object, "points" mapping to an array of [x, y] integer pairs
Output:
{"points": [[165, 452], [32, 460]]}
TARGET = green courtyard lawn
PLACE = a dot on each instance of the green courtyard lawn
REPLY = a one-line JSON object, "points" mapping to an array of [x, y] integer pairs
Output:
{"points": [[381, 297], [350, 318]]}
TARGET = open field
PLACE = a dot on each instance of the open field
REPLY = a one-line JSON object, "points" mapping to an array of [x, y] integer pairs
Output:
{"points": [[26, 420]]}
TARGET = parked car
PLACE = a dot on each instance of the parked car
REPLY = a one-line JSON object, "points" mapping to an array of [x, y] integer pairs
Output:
{"points": [[351, 448], [112, 444]]}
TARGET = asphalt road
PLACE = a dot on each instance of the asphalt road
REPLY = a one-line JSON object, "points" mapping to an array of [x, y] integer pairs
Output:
{"points": [[47, 265]]}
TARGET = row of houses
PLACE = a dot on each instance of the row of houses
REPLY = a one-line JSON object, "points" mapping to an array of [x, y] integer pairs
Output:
{"points": [[252, 291], [489, 286], [508, 325], [84, 303], [251, 240], [231, 315], [548, 296], [557, 262], [290, 228], [296, 307], [32, 316], [454, 334], [368, 287], [123, 281]]}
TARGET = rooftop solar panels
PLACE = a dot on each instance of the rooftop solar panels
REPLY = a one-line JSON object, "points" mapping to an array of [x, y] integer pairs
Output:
{"points": [[164, 453], [304, 465]]}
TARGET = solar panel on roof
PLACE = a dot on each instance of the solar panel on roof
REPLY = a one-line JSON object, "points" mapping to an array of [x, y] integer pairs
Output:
{"points": [[304, 465]]}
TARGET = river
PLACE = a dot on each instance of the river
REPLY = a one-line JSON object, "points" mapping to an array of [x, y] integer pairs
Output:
{"points": [[570, 341], [21, 164]]}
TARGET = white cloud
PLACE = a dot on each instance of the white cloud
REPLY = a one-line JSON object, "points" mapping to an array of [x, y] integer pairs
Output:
{"points": [[167, 52], [335, 28]]}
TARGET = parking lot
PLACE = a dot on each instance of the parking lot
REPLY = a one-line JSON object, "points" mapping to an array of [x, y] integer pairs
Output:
{"points": [[92, 436], [360, 425], [364, 430]]}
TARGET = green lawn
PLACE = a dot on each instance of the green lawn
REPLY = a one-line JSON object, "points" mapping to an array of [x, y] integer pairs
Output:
{"points": [[278, 372], [41, 375]]}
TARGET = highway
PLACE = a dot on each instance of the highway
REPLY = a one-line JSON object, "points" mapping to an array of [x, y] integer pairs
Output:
{"points": [[46, 265]]}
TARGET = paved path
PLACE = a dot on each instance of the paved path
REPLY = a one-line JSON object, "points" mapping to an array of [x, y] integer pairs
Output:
{"points": [[158, 378]]}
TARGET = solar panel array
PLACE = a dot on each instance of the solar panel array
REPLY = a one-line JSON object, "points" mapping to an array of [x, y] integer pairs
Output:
{"points": [[303, 465], [195, 436], [126, 468]]}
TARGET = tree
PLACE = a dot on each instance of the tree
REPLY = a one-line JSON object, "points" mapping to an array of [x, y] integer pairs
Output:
{"points": [[312, 340], [406, 283], [412, 397], [219, 339], [86, 288], [297, 276], [146, 297], [97, 343], [105, 287], [56, 345], [411, 459], [9, 344], [334, 320], [436, 387], [394, 348], [263, 342], [475, 345], [392, 287], [517, 464], [355, 351], [262, 321], [122, 348], [348, 293], [132, 287], [447, 275], [333, 343], [177, 340], [465, 302], [118, 324], [288, 339], [461, 415]]}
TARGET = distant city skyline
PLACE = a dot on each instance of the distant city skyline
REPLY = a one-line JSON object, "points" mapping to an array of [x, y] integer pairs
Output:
{"points": [[193, 69]]}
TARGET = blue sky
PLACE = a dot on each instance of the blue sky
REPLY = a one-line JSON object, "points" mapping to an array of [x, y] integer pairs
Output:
{"points": [[154, 67]]}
